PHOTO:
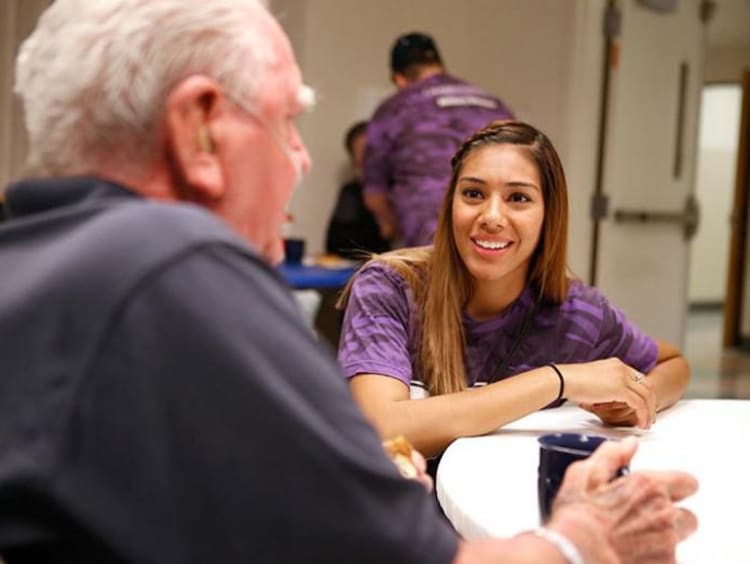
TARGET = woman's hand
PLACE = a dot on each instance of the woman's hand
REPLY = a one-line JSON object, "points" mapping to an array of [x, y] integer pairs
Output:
{"points": [[615, 413], [615, 392]]}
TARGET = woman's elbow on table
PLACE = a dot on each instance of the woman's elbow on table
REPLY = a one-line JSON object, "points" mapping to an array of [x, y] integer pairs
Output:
{"points": [[671, 375]]}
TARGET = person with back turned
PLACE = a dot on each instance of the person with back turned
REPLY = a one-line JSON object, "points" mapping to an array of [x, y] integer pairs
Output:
{"points": [[413, 135]]}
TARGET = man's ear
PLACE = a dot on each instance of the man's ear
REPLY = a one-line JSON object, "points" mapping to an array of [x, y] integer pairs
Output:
{"points": [[191, 111], [400, 80]]}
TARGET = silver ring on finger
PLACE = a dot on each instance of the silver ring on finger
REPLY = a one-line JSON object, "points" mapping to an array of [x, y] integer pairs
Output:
{"points": [[637, 377]]}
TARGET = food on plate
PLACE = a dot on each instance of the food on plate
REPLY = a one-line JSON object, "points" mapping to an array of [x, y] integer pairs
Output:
{"points": [[400, 451], [330, 261], [333, 261]]}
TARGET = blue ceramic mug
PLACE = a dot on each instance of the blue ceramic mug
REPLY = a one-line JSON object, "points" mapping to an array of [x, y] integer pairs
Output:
{"points": [[557, 451], [294, 250]]}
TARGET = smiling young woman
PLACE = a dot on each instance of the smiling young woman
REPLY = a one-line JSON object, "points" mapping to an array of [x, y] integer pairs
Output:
{"points": [[498, 210], [487, 326]]}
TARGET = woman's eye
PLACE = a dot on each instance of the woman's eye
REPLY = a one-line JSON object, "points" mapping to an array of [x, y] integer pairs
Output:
{"points": [[519, 197], [471, 193]]}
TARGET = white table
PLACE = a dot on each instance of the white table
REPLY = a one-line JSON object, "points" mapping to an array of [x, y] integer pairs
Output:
{"points": [[487, 485]]}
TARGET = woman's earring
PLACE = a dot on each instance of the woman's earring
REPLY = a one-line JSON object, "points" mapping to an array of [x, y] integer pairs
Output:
{"points": [[204, 140]]}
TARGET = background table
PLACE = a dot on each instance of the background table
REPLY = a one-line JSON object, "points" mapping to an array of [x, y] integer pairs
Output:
{"points": [[304, 277], [487, 485], [317, 289]]}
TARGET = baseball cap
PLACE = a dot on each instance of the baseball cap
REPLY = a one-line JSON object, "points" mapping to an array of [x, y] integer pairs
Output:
{"points": [[414, 49]]}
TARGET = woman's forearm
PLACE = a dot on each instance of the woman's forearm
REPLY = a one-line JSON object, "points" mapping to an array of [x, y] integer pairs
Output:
{"points": [[431, 424], [670, 376]]}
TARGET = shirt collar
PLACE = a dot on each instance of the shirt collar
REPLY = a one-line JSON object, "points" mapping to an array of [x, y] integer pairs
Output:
{"points": [[37, 195]]}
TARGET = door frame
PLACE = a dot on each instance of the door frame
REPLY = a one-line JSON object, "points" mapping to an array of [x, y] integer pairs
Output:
{"points": [[733, 304]]}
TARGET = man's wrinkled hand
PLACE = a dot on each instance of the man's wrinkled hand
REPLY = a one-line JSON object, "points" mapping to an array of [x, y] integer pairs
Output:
{"points": [[633, 517]]}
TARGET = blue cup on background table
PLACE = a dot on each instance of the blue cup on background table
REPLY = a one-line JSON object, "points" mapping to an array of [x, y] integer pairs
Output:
{"points": [[557, 451], [294, 250]]}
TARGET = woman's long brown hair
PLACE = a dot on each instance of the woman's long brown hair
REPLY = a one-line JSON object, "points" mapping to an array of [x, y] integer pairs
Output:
{"points": [[439, 279]]}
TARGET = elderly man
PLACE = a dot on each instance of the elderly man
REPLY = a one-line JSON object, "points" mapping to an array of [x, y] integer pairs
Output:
{"points": [[161, 400]]}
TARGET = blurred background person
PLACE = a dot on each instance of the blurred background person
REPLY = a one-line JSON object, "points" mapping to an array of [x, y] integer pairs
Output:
{"points": [[413, 135], [352, 230], [352, 233]]}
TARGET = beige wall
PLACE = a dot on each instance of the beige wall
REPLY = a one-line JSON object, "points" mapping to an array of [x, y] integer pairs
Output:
{"points": [[17, 19], [521, 51], [725, 64], [7, 25]]}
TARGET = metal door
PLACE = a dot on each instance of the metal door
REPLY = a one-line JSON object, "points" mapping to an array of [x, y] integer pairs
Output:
{"points": [[648, 162]]}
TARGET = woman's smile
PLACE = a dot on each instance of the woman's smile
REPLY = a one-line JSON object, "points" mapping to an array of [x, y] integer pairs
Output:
{"points": [[491, 245]]}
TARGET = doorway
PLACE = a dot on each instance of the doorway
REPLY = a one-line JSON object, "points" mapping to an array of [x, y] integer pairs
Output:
{"points": [[709, 255], [737, 310]]}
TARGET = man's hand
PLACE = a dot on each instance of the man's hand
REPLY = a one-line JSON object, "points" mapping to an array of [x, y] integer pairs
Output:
{"points": [[631, 519], [409, 461], [421, 465]]}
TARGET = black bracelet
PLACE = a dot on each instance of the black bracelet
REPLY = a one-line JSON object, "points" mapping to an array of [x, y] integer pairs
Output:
{"points": [[562, 381]]}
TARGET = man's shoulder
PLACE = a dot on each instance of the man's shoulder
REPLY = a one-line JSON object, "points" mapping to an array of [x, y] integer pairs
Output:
{"points": [[156, 230], [96, 218], [413, 94], [103, 246], [438, 102], [388, 108], [178, 222]]}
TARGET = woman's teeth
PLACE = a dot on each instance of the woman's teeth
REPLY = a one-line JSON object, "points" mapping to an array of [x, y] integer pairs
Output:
{"points": [[492, 245]]}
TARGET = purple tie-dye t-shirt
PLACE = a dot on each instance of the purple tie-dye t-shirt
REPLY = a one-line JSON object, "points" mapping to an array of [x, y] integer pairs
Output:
{"points": [[410, 142], [379, 334]]}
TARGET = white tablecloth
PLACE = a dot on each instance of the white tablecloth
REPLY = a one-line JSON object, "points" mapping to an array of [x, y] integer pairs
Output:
{"points": [[487, 485]]}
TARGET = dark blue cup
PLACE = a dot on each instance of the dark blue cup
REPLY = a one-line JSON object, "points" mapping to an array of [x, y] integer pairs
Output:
{"points": [[294, 250], [557, 451]]}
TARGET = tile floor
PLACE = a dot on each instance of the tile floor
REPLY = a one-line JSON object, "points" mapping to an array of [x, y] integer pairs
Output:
{"points": [[716, 373]]}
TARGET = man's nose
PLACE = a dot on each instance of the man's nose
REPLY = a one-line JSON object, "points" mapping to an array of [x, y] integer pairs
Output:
{"points": [[305, 159]]}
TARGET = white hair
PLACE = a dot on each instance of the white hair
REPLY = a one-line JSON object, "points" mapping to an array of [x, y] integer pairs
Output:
{"points": [[94, 74]]}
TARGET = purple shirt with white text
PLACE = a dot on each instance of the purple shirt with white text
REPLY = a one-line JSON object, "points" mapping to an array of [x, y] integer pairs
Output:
{"points": [[411, 140]]}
